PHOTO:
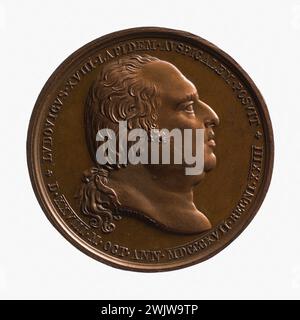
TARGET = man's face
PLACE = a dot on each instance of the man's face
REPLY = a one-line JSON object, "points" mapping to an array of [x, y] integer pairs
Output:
{"points": [[181, 107]]}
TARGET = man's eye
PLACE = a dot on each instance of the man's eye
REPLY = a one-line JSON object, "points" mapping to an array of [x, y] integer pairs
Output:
{"points": [[189, 108]]}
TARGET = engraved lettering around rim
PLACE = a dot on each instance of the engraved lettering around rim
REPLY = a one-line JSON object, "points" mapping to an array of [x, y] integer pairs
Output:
{"points": [[107, 245]]}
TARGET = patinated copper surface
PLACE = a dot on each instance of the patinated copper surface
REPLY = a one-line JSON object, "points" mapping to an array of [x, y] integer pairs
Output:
{"points": [[150, 217]]}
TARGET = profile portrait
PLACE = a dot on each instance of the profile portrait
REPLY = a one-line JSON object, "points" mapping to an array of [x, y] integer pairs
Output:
{"points": [[148, 93]]}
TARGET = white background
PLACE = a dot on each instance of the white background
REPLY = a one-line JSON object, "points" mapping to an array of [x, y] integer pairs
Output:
{"points": [[36, 261]]}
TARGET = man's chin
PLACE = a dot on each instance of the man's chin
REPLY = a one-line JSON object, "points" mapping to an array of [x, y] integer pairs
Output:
{"points": [[210, 163]]}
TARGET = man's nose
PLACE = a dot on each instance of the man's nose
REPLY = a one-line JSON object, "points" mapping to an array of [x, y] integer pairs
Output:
{"points": [[210, 118]]}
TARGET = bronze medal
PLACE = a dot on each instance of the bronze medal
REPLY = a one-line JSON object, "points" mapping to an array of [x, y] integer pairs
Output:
{"points": [[150, 149]]}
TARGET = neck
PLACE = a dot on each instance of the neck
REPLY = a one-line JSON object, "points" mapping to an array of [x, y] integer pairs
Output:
{"points": [[160, 196]]}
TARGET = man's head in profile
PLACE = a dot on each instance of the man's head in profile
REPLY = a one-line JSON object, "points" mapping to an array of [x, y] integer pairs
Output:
{"points": [[148, 93]]}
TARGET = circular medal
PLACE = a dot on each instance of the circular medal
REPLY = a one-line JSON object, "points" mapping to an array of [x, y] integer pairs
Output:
{"points": [[150, 149]]}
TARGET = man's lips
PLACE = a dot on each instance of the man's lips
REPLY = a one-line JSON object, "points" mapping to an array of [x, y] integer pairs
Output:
{"points": [[210, 141]]}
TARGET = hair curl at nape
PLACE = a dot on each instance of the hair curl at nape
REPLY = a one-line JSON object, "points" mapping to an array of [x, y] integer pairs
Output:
{"points": [[119, 93]]}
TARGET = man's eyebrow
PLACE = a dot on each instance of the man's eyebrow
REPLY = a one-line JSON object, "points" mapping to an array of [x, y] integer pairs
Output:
{"points": [[190, 97]]}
